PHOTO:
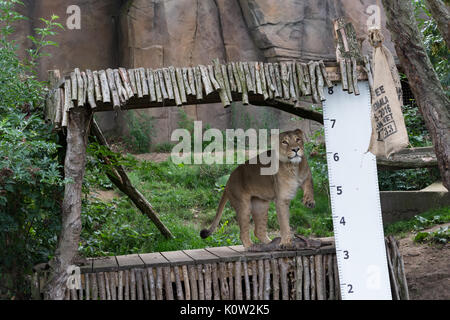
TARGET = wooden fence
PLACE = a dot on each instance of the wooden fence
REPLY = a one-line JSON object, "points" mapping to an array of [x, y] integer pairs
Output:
{"points": [[222, 273]]}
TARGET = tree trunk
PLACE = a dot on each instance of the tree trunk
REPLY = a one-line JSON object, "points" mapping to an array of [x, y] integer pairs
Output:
{"points": [[67, 251], [120, 178], [409, 159], [424, 83], [440, 12]]}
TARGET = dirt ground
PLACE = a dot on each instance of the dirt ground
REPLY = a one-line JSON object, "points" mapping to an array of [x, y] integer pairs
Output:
{"points": [[427, 267]]}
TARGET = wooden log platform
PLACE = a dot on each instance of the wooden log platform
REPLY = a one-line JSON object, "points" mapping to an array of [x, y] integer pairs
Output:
{"points": [[259, 84], [218, 273]]}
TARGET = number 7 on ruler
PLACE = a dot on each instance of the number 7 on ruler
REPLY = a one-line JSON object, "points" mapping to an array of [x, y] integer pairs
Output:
{"points": [[355, 199]]}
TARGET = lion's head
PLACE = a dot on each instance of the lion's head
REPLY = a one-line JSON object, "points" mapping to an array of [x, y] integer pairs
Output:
{"points": [[291, 146]]}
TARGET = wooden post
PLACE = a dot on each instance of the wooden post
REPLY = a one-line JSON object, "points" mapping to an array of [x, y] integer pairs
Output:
{"points": [[67, 250], [120, 178]]}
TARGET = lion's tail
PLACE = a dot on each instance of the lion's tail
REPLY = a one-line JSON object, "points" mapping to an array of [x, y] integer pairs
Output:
{"points": [[205, 233]]}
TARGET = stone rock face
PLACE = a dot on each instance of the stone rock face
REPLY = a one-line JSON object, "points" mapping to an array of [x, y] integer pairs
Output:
{"points": [[157, 33]]}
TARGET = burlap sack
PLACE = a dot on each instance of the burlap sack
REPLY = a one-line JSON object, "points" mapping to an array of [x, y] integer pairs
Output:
{"points": [[389, 133]]}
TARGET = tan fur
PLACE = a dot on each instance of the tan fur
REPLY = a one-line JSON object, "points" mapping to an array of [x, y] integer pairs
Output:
{"points": [[250, 193]]}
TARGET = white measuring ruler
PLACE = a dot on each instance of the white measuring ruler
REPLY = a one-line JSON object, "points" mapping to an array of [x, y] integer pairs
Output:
{"points": [[355, 198]]}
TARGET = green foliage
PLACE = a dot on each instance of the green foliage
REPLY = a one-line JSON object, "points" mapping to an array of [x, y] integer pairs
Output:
{"points": [[407, 179], [140, 134], [419, 222], [30, 180], [440, 236], [434, 43]]}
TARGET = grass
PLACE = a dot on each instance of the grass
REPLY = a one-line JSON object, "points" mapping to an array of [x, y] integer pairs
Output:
{"points": [[186, 198]]}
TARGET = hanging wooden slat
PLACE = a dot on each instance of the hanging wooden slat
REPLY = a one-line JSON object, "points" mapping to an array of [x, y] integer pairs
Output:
{"points": [[252, 69], [292, 86], [212, 78], [106, 94], [328, 82], [191, 77], [176, 90], [355, 76], [151, 85], [80, 87], [243, 82], [293, 68], [278, 78], [137, 76], [113, 89], [187, 86], [285, 80], [237, 77], [312, 77], [162, 84], [248, 77], [226, 81], [68, 103], [132, 77], [123, 95], [198, 83], [348, 66], [180, 84], [343, 70], [159, 96], [98, 89], [220, 79], [320, 82], [230, 73], [168, 83], [126, 82], [74, 86], [206, 80], [259, 90], [262, 75]]}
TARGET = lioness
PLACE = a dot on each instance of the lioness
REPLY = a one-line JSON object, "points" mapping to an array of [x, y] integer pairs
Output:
{"points": [[249, 192]]}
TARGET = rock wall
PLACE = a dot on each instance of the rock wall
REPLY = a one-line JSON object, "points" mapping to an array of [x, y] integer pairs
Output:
{"points": [[156, 33]]}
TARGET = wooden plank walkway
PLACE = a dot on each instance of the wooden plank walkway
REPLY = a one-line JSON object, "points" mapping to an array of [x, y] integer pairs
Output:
{"points": [[190, 257]]}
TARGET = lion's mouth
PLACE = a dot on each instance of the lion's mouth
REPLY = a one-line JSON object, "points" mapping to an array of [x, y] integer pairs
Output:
{"points": [[295, 158]]}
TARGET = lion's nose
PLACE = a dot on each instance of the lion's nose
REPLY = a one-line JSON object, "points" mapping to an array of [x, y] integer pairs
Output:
{"points": [[296, 150]]}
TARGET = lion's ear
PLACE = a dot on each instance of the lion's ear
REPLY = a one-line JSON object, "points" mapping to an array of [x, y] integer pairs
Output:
{"points": [[299, 132]]}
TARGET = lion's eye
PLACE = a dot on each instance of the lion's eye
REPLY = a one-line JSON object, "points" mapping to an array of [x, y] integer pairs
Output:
{"points": [[298, 140], [285, 143]]}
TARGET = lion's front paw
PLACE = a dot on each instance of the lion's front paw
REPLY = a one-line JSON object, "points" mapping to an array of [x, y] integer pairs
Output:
{"points": [[309, 203], [286, 244]]}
